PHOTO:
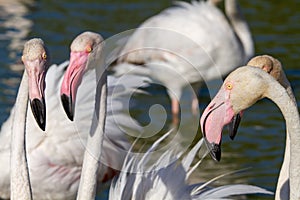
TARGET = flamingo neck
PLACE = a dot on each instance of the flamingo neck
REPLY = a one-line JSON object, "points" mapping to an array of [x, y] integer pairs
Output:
{"points": [[88, 181], [20, 182], [289, 109], [240, 27], [283, 187]]}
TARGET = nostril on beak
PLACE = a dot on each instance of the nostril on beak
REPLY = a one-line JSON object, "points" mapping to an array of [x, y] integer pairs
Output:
{"points": [[212, 106]]}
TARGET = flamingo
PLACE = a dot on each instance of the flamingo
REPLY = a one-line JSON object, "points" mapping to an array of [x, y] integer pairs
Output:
{"points": [[241, 89], [167, 179], [55, 156], [85, 53], [33, 84], [188, 44], [86, 57], [274, 68]]}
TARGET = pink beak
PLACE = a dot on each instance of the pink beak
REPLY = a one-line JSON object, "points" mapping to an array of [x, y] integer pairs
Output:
{"points": [[36, 70], [72, 80], [216, 115]]}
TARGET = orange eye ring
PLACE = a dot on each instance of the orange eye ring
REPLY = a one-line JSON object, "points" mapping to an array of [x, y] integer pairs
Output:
{"points": [[88, 49], [44, 55], [229, 86]]}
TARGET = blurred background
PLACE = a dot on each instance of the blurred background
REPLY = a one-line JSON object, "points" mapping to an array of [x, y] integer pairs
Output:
{"points": [[275, 27]]}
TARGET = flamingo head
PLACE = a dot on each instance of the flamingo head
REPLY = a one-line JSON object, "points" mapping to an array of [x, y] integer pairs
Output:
{"points": [[272, 66], [237, 93], [82, 58], [36, 60]]}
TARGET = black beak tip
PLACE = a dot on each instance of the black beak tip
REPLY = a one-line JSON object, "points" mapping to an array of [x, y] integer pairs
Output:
{"points": [[42, 126], [232, 137], [214, 150], [38, 108], [234, 125], [67, 105]]}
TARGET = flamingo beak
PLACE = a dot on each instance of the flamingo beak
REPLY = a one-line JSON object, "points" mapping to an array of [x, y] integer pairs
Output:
{"points": [[234, 125], [216, 115], [38, 108], [72, 80], [36, 70]]}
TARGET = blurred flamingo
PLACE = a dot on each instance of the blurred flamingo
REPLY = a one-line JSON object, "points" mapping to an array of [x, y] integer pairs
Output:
{"points": [[167, 178], [186, 45]]}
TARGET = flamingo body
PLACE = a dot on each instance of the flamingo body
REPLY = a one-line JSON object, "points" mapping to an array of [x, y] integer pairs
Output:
{"points": [[186, 44]]}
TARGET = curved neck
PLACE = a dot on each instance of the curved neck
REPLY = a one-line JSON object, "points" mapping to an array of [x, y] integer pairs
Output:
{"points": [[20, 183], [283, 187], [290, 112], [240, 27]]}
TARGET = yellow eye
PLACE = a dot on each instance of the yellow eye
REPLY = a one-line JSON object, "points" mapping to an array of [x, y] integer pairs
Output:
{"points": [[44, 55], [88, 49], [228, 86]]}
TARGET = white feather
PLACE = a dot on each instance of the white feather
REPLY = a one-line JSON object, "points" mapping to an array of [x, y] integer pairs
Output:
{"points": [[166, 179]]}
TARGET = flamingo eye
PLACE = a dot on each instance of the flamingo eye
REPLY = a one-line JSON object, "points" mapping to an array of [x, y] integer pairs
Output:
{"points": [[88, 49], [44, 55], [228, 86]]}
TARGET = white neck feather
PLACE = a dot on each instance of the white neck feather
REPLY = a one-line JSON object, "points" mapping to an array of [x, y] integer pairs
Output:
{"points": [[20, 183], [290, 112], [88, 181]]}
